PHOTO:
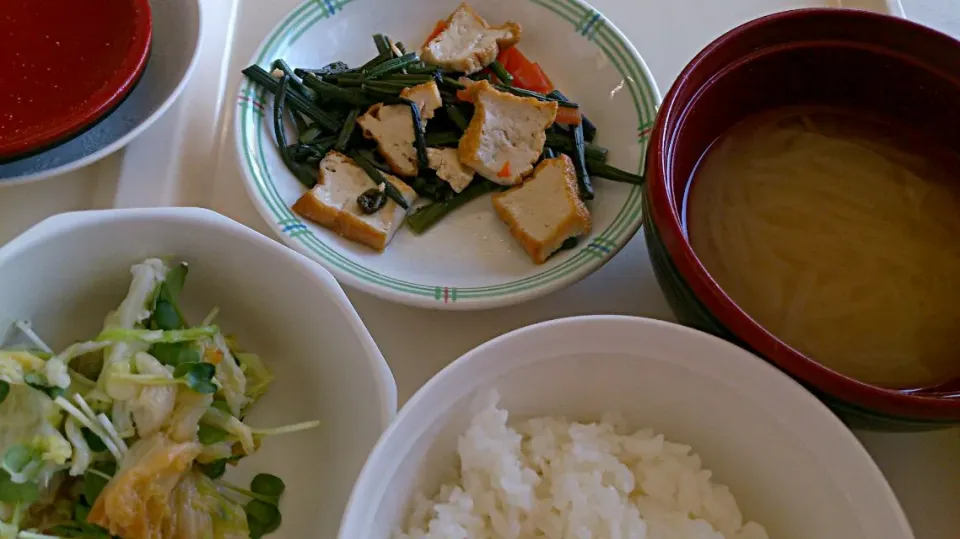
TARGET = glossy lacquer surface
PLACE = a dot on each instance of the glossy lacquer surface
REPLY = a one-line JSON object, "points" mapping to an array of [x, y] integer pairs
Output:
{"points": [[873, 63], [64, 64]]}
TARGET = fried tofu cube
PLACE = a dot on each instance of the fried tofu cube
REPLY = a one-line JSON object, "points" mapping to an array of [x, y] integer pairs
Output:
{"points": [[426, 96], [392, 127], [468, 43], [545, 210], [446, 161], [506, 134], [332, 203]]}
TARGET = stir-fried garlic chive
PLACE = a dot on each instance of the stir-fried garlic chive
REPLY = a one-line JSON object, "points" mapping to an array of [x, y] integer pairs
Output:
{"points": [[333, 92], [378, 178], [580, 162], [427, 216], [299, 102], [349, 125], [457, 117], [392, 65], [589, 129], [382, 43], [602, 170], [536, 95], [501, 72], [341, 88]]}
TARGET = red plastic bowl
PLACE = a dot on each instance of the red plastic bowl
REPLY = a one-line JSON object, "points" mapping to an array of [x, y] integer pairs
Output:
{"points": [[64, 65], [899, 70]]}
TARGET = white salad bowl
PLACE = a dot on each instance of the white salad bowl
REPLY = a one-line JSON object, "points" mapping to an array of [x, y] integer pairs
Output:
{"points": [[791, 464], [67, 272], [469, 260]]}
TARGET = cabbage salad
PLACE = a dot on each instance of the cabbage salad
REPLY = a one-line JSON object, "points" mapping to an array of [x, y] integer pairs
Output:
{"points": [[129, 434]]}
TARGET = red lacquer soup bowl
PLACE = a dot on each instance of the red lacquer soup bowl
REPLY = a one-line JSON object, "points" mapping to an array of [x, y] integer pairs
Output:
{"points": [[64, 65], [879, 64]]}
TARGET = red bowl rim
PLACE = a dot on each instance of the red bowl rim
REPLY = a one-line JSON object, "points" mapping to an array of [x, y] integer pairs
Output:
{"points": [[101, 103], [667, 220]]}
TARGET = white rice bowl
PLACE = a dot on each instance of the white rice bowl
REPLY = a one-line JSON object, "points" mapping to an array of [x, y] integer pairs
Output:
{"points": [[792, 466], [549, 477]]}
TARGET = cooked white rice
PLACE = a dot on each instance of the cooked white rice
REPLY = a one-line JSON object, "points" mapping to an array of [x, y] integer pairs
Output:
{"points": [[550, 478]]}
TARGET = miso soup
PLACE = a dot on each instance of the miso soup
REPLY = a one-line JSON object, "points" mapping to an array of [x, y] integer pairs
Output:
{"points": [[841, 236]]}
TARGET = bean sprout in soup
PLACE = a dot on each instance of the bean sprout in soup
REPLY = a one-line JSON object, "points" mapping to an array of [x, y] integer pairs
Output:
{"points": [[840, 236]]}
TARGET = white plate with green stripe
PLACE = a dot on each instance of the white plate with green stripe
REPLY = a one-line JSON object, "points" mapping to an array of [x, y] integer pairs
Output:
{"points": [[469, 260]]}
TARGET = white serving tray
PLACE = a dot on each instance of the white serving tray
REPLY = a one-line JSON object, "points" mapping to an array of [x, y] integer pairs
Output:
{"points": [[187, 159]]}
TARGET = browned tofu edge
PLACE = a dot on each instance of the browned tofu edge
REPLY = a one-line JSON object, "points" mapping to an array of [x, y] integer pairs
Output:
{"points": [[430, 87], [344, 222], [469, 146], [577, 221], [516, 30], [407, 169], [352, 227]]}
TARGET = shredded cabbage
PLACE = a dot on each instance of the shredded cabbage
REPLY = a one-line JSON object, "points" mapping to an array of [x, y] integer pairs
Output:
{"points": [[154, 404], [14, 365], [134, 309], [29, 436], [135, 502], [152, 336], [10, 517], [214, 452], [198, 509], [122, 418], [81, 449], [229, 423], [65, 415], [183, 422], [56, 368], [93, 424], [258, 375], [8, 531], [231, 378]]}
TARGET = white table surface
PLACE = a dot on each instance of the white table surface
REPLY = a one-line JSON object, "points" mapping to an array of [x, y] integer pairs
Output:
{"points": [[924, 469], [944, 15]]}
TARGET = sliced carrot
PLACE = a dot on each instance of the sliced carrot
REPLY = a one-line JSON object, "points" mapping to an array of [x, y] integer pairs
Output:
{"points": [[467, 95], [526, 74], [543, 83], [505, 171], [511, 58], [531, 77], [213, 356], [437, 30], [568, 115]]}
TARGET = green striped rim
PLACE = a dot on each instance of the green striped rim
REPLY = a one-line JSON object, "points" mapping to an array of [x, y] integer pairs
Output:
{"points": [[585, 20]]}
